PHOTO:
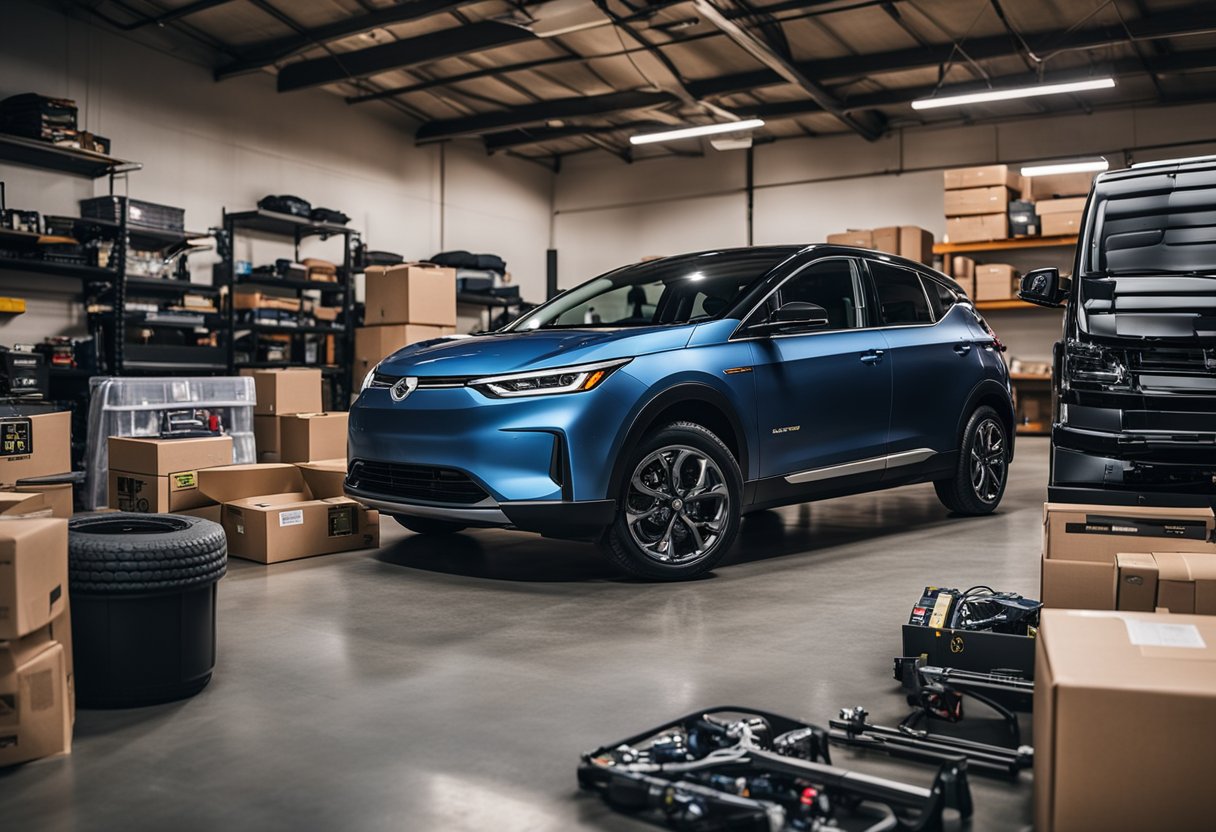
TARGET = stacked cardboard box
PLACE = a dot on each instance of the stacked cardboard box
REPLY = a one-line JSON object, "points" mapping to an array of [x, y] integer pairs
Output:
{"points": [[962, 269], [976, 202], [1060, 216], [309, 437], [278, 512], [403, 305], [1124, 714], [281, 392], [161, 475], [37, 703], [33, 448], [910, 241], [995, 281]]}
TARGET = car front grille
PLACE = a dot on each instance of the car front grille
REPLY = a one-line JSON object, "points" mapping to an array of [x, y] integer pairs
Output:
{"points": [[415, 482]]}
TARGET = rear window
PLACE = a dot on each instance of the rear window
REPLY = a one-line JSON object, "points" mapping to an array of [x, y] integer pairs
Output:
{"points": [[901, 298]]}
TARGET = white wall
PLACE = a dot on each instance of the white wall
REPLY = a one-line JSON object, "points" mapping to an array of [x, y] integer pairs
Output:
{"points": [[206, 146]]}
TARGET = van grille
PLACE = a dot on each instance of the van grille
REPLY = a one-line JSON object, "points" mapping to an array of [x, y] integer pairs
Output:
{"points": [[415, 482]]}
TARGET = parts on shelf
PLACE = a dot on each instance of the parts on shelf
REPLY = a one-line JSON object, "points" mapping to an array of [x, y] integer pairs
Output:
{"points": [[378, 258], [854, 729], [23, 373], [139, 214], [191, 423], [283, 269], [743, 769], [328, 215], [286, 204]]}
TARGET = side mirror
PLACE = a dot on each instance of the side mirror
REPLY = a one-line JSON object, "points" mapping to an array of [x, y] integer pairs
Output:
{"points": [[795, 316], [1044, 287]]}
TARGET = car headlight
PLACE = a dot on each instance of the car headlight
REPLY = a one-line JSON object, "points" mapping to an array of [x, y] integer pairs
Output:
{"points": [[1090, 364], [578, 379], [367, 379]]}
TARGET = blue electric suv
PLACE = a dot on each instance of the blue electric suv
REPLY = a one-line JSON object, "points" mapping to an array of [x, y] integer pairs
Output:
{"points": [[652, 406]]}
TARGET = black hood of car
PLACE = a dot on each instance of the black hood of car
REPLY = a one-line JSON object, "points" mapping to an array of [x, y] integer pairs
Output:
{"points": [[1160, 307]]}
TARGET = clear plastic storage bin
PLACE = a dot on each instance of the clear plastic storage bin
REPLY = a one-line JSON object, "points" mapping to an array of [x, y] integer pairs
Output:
{"points": [[136, 407]]}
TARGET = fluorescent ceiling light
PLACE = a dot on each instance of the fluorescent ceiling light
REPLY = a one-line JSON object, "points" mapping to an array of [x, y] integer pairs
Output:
{"points": [[1066, 167], [1014, 92], [701, 130]]}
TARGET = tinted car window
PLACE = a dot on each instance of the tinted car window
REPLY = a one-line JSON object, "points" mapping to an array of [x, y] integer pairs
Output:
{"points": [[828, 284], [901, 298], [941, 297]]}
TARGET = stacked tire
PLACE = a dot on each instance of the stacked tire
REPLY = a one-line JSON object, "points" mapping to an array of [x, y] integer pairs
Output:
{"points": [[143, 589]]}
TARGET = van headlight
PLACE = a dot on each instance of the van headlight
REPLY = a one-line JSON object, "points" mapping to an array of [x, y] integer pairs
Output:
{"points": [[577, 379], [367, 379], [1090, 364]]}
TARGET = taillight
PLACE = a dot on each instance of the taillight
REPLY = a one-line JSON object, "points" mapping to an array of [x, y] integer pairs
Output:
{"points": [[996, 342]]}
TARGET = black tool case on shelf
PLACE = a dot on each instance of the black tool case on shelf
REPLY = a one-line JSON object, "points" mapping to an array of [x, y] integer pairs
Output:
{"points": [[139, 214]]}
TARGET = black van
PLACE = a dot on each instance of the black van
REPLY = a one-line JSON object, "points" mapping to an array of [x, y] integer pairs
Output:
{"points": [[1134, 417]]}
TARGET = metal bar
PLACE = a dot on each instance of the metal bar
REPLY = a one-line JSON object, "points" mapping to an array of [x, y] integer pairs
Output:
{"points": [[778, 64], [446, 43], [539, 113], [173, 14], [1191, 20]]}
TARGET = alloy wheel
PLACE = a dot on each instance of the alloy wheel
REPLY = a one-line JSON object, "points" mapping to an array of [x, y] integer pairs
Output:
{"points": [[988, 460], [677, 505]]}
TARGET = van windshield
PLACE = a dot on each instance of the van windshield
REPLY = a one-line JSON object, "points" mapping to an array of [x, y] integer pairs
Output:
{"points": [[674, 290]]}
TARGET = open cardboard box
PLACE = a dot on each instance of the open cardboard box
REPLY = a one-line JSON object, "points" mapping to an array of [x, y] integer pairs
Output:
{"points": [[270, 514], [36, 700]]}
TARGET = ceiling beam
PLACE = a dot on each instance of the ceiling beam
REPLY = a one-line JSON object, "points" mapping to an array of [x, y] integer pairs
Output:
{"points": [[785, 69], [260, 55], [524, 136], [1195, 19], [529, 115]]}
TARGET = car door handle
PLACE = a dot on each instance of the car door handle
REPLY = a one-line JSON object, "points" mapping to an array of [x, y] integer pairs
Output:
{"points": [[871, 357], [962, 348]]}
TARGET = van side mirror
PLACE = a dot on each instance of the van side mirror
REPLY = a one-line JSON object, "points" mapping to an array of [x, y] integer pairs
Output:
{"points": [[795, 316], [1044, 287]]}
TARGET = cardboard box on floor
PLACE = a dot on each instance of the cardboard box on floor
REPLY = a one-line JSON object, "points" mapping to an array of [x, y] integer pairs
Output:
{"points": [[1124, 713], [35, 446], [1082, 542], [983, 176], [1177, 582], [980, 228], [36, 710], [305, 437], [270, 515], [325, 476], [286, 390], [374, 343], [266, 438], [412, 293], [33, 566], [161, 475], [58, 495]]}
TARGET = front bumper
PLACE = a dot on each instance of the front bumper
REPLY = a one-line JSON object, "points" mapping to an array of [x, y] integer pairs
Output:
{"points": [[584, 520]]}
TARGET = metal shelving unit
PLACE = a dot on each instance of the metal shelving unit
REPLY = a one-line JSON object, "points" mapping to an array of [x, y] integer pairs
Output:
{"points": [[296, 229]]}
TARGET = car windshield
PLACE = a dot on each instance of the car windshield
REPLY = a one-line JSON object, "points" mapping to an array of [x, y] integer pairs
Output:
{"points": [[673, 290]]}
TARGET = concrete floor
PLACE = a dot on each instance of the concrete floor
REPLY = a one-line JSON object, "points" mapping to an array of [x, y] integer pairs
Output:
{"points": [[451, 683]]}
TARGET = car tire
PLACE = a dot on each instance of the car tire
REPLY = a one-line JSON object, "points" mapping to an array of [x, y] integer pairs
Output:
{"points": [[983, 466], [428, 525], [124, 553], [661, 519]]}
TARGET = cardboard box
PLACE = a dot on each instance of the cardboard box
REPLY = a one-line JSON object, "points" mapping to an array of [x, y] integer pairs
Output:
{"points": [[962, 267], [162, 457], [413, 293], [58, 496], [1054, 225], [885, 239], [916, 243], [289, 390], [1057, 184], [35, 706], [35, 446], [305, 437], [270, 516], [33, 573], [1178, 582], [257, 299], [212, 511], [861, 238], [266, 437], [970, 201], [967, 284], [374, 343], [995, 281], [1124, 708], [324, 478], [1081, 545], [147, 493], [982, 177], [980, 228]]}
